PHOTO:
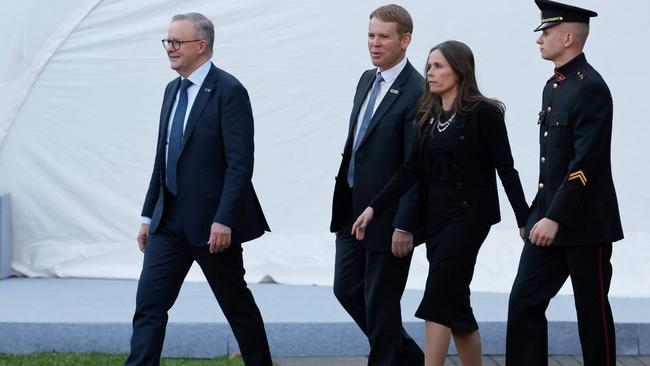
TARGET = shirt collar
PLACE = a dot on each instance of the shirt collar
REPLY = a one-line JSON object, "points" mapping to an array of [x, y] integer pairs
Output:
{"points": [[391, 74], [199, 75]]}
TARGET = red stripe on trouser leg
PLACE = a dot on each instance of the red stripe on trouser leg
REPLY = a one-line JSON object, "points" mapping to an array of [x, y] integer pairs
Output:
{"points": [[602, 305]]}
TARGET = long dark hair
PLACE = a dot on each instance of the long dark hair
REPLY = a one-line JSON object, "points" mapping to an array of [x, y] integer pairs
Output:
{"points": [[460, 58]]}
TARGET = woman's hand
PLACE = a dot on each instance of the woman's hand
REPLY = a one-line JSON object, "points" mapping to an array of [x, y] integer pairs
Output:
{"points": [[359, 227]]}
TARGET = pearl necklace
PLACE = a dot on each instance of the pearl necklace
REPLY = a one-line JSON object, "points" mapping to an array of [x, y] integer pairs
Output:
{"points": [[443, 125]]}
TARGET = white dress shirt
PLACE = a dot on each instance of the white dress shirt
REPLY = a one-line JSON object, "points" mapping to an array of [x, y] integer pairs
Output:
{"points": [[389, 77], [197, 78]]}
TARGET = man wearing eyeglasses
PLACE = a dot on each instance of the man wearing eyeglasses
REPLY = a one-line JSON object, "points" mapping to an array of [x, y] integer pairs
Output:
{"points": [[200, 205]]}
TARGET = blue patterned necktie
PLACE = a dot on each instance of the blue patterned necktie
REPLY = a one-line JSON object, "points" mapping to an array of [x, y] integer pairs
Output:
{"points": [[176, 137], [367, 116]]}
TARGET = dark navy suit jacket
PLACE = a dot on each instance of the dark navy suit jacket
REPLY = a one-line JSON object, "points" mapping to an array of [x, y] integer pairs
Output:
{"points": [[379, 155], [215, 166]]}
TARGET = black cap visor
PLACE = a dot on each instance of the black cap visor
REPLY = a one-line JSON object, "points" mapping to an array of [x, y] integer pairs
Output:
{"points": [[546, 25]]}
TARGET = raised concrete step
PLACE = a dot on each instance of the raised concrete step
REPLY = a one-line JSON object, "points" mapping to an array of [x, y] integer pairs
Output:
{"points": [[88, 315]]}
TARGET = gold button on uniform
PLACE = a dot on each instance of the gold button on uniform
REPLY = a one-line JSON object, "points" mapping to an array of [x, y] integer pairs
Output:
{"points": [[545, 133], [540, 186], [543, 160]]}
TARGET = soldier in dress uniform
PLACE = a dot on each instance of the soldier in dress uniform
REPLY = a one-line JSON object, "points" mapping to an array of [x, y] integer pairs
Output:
{"points": [[574, 217]]}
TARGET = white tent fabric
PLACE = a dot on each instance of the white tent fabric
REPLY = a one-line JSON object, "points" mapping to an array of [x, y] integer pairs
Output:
{"points": [[81, 83]]}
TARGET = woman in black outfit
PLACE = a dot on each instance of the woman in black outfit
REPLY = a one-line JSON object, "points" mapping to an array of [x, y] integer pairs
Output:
{"points": [[461, 143]]}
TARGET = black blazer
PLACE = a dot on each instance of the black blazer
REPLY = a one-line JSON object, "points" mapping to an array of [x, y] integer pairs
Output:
{"points": [[215, 166], [482, 151], [575, 186], [380, 153]]}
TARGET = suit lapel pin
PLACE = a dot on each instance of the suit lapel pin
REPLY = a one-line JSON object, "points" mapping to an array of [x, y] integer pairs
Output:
{"points": [[207, 90], [394, 91]]}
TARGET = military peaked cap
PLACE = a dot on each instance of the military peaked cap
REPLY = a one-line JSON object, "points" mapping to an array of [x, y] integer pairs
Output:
{"points": [[554, 13]]}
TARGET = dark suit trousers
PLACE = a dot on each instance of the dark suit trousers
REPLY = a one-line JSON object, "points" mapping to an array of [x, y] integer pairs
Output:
{"points": [[167, 259], [542, 272], [370, 285]]}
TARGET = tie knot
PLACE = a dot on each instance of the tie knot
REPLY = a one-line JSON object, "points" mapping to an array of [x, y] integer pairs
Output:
{"points": [[378, 77], [186, 83]]}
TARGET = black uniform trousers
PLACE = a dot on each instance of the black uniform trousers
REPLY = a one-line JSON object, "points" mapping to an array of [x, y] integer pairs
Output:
{"points": [[542, 272], [167, 259], [369, 285]]}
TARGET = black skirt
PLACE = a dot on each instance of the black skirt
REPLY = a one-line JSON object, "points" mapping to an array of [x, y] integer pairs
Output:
{"points": [[451, 251]]}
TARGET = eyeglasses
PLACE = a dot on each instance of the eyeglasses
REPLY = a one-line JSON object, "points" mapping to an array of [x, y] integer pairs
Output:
{"points": [[176, 44]]}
